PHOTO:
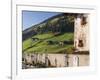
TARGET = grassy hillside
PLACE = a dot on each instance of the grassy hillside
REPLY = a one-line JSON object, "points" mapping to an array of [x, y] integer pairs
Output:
{"points": [[60, 23], [54, 35], [42, 45]]}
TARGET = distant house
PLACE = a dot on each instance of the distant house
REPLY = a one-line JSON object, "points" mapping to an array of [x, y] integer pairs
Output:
{"points": [[35, 39], [81, 32]]}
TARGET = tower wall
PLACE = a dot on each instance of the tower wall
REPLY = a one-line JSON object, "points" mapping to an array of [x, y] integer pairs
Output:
{"points": [[81, 33]]}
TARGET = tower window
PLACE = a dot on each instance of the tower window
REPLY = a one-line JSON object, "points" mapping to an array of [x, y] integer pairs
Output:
{"points": [[80, 43], [83, 21]]}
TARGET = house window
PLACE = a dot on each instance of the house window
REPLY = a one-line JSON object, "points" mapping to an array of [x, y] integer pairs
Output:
{"points": [[80, 43]]}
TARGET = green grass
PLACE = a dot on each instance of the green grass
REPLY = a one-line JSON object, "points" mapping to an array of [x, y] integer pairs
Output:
{"points": [[42, 46], [26, 43], [66, 36], [43, 36]]}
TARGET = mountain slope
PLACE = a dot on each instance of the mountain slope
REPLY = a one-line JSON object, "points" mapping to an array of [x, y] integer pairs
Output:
{"points": [[59, 23], [54, 35]]}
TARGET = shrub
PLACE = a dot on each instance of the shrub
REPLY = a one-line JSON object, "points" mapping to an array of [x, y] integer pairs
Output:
{"points": [[50, 42]]}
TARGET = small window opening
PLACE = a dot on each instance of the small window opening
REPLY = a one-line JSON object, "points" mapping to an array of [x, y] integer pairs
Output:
{"points": [[83, 21], [80, 44]]}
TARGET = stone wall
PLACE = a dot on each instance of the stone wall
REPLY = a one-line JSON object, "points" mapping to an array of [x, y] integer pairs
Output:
{"points": [[58, 60]]}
